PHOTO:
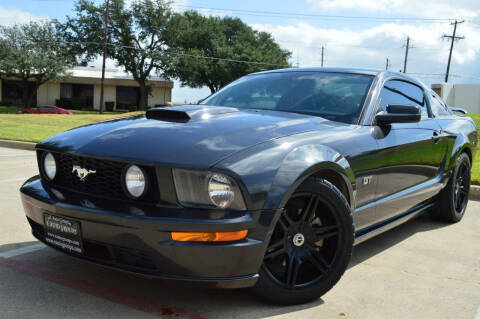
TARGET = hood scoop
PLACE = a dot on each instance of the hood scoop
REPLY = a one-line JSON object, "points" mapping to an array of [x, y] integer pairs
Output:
{"points": [[187, 113]]}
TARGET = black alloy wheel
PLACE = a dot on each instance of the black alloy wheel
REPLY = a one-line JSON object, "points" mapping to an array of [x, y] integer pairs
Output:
{"points": [[462, 187], [453, 200], [310, 246]]}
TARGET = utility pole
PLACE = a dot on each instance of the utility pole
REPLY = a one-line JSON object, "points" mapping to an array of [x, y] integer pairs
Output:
{"points": [[323, 49], [407, 46], [387, 64], [452, 38], [105, 25]]}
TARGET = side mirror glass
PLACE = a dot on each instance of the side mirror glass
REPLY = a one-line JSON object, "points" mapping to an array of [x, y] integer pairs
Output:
{"points": [[399, 114]]}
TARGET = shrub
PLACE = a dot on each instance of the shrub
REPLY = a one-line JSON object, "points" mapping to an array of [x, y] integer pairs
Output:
{"points": [[109, 106], [6, 103], [75, 104], [132, 108]]}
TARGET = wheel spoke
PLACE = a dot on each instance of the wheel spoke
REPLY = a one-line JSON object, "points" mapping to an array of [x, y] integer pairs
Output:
{"points": [[276, 249], [325, 232], [464, 176], [309, 211], [292, 271], [320, 264], [285, 221], [273, 254]]}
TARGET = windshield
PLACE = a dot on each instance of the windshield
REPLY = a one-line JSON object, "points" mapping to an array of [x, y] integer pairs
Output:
{"points": [[334, 96]]}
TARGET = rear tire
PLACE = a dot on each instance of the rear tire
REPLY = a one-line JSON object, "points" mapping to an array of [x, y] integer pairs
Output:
{"points": [[453, 199], [310, 247]]}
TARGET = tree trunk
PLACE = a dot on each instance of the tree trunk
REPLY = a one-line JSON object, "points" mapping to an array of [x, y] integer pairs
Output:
{"points": [[143, 102], [26, 98], [35, 89]]}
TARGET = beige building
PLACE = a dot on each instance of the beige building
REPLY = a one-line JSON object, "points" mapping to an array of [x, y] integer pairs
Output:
{"points": [[466, 96], [83, 86]]}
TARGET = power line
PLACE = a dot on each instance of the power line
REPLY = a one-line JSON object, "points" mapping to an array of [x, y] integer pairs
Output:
{"points": [[186, 54], [316, 16], [452, 37]]}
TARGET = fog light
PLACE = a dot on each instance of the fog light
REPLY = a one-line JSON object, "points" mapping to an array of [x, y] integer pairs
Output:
{"points": [[49, 166], [135, 181]]}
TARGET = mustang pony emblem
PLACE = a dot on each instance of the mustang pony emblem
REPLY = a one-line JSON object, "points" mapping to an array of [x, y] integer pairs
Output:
{"points": [[81, 172]]}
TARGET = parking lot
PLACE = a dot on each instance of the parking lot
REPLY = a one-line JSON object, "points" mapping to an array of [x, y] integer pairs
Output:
{"points": [[422, 269]]}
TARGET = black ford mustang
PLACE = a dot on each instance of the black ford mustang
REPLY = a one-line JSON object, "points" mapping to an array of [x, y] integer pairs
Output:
{"points": [[269, 182]]}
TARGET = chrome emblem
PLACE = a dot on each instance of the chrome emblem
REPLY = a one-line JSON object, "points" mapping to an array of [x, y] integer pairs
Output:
{"points": [[298, 239], [81, 172]]}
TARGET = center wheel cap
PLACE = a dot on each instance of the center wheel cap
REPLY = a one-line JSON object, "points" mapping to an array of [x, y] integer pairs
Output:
{"points": [[298, 239]]}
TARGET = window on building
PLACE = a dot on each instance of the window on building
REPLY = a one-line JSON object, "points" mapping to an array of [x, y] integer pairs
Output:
{"points": [[12, 92], [127, 96], [398, 92], [82, 94]]}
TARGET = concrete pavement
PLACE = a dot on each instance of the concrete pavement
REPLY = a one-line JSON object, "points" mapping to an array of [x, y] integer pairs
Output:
{"points": [[422, 269]]}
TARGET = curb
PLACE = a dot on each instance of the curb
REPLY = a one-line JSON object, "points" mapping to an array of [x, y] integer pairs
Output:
{"points": [[18, 145], [474, 192]]}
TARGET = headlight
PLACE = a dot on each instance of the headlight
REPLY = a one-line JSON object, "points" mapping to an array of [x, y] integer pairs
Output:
{"points": [[207, 189], [135, 181], [49, 166]]}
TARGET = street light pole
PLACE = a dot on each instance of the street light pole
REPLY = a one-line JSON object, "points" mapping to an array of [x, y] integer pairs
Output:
{"points": [[105, 25]]}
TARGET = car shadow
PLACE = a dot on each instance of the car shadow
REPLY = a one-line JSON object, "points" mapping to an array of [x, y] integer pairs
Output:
{"points": [[241, 303], [392, 237]]}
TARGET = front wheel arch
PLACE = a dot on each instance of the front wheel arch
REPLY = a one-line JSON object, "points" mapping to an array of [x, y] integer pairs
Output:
{"points": [[307, 161]]}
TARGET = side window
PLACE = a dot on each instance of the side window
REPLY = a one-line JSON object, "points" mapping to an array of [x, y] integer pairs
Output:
{"points": [[401, 92], [437, 107]]}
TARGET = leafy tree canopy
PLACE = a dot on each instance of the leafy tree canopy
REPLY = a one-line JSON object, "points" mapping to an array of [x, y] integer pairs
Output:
{"points": [[135, 35], [32, 53], [205, 51]]}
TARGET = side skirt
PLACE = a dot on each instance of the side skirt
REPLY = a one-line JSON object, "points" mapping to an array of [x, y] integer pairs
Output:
{"points": [[387, 224]]}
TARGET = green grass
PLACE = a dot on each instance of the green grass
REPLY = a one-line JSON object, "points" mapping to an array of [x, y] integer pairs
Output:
{"points": [[9, 109], [37, 127]]}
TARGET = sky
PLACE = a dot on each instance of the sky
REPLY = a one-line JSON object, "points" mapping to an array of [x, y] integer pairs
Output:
{"points": [[354, 33]]}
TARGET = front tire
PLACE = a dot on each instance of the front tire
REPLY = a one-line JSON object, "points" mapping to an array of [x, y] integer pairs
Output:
{"points": [[454, 197], [310, 247]]}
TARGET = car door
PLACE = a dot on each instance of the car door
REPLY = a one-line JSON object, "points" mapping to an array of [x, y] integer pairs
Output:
{"points": [[411, 153]]}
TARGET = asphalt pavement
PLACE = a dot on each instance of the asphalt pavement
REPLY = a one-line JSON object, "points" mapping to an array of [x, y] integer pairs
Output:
{"points": [[421, 269]]}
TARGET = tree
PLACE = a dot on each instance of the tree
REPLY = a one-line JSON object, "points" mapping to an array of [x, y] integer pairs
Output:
{"points": [[135, 36], [33, 54], [206, 51]]}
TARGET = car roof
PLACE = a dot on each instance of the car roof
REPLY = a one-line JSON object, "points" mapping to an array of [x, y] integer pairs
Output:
{"points": [[372, 72], [325, 69]]}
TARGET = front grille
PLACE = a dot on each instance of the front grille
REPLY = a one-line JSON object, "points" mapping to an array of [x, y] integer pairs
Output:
{"points": [[106, 182]]}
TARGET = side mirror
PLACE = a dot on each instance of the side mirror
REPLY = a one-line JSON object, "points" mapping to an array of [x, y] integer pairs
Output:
{"points": [[458, 110], [399, 114]]}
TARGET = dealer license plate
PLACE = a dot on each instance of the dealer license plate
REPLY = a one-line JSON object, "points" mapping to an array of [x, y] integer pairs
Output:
{"points": [[63, 233]]}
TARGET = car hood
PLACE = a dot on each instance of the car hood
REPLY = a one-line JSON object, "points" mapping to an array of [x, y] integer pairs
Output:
{"points": [[182, 136]]}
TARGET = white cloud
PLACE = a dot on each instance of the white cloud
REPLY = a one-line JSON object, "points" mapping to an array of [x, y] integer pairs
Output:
{"points": [[9, 17], [466, 9], [370, 47]]}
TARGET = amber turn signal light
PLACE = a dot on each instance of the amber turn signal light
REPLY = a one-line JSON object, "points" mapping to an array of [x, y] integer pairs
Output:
{"points": [[214, 236]]}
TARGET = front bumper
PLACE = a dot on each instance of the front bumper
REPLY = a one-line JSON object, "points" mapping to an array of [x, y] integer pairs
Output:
{"points": [[137, 238]]}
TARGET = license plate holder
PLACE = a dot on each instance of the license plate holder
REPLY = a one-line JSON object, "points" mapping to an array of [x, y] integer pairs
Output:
{"points": [[63, 233]]}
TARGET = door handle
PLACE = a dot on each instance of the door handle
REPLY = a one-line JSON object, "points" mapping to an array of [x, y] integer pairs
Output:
{"points": [[436, 136]]}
